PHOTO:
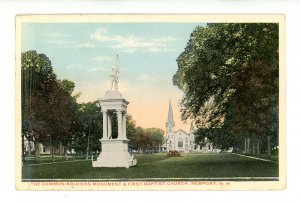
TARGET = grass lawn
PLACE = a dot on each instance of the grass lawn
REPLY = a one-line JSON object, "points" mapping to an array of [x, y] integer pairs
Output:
{"points": [[213, 165]]}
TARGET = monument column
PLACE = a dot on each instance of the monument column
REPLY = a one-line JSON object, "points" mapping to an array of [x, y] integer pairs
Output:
{"points": [[114, 152], [120, 123], [124, 125], [104, 124], [109, 126]]}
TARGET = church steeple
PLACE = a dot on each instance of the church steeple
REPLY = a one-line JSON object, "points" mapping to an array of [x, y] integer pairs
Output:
{"points": [[170, 121], [192, 129]]}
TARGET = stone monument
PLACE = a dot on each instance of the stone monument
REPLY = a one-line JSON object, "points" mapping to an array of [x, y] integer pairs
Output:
{"points": [[114, 151]]}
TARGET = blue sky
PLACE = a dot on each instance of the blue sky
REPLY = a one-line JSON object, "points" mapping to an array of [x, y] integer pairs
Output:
{"points": [[86, 52]]}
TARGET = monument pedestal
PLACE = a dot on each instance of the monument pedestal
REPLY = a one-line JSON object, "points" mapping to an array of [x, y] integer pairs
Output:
{"points": [[114, 154], [114, 151]]}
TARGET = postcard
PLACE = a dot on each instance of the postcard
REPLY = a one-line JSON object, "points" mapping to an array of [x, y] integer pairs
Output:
{"points": [[150, 102]]}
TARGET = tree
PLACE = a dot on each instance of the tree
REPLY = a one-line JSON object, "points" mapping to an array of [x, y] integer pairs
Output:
{"points": [[68, 135], [52, 114], [35, 69], [88, 128], [156, 136], [254, 102], [46, 103], [68, 85], [212, 73], [146, 139]]}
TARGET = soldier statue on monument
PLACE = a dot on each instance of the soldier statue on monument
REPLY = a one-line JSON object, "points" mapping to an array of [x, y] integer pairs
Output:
{"points": [[114, 77]]}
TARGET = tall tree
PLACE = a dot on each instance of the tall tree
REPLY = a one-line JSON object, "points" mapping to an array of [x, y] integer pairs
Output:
{"points": [[211, 68], [46, 102], [35, 69], [254, 102]]}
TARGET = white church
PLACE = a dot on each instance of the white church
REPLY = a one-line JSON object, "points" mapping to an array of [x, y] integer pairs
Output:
{"points": [[182, 141]]}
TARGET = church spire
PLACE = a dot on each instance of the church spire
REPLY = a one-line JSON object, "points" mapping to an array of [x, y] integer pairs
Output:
{"points": [[170, 120], [192, 129]]}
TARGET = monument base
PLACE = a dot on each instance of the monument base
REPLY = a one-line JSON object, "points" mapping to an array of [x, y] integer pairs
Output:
{"points": [[114, 154]]}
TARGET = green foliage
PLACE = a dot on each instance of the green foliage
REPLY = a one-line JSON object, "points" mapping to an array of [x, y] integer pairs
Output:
{"points": [[255, 92], [229, 74], [46, 105], [130, 126], [51, 115], [89, 127], [148, 138], [35, 69], [68, 85]]}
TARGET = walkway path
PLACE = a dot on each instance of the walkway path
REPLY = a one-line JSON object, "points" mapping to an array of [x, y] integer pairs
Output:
{"points": [[252, 157], [36, 164]]}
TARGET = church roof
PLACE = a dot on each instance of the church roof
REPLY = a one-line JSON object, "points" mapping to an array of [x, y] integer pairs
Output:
{"points": [[170, 115], [182, 131]]}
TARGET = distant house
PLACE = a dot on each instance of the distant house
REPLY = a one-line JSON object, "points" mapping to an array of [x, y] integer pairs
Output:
{"points": [[29, 146], [44, 149]]}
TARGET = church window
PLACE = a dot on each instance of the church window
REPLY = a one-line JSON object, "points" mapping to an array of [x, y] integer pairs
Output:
{"points": [[208, 147], [180, 142], [200, 147], [186, 139], [186, 147]]}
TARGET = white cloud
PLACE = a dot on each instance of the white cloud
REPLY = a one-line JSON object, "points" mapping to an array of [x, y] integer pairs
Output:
{"points": [[102, 35], [166, 39], [129, 50], [59, 42], [70, 66], [55, 34], [98, 69], [85, 45], [101, 58], [132, 43]]}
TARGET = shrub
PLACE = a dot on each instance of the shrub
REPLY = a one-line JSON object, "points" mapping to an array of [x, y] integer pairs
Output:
{"points": [[173, 153]]}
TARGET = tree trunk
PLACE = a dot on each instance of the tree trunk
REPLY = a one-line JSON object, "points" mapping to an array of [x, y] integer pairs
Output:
{"points": [[65, 152], [248, 146], [29, 148], [52, 152], [23, 149], [51, 149], [253, 147], [269, 146], [245, 146], [258, 147], [60, 149], [37, 150]]}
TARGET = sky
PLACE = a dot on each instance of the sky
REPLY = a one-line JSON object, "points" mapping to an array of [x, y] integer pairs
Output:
{"points": [[85, 54]]}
